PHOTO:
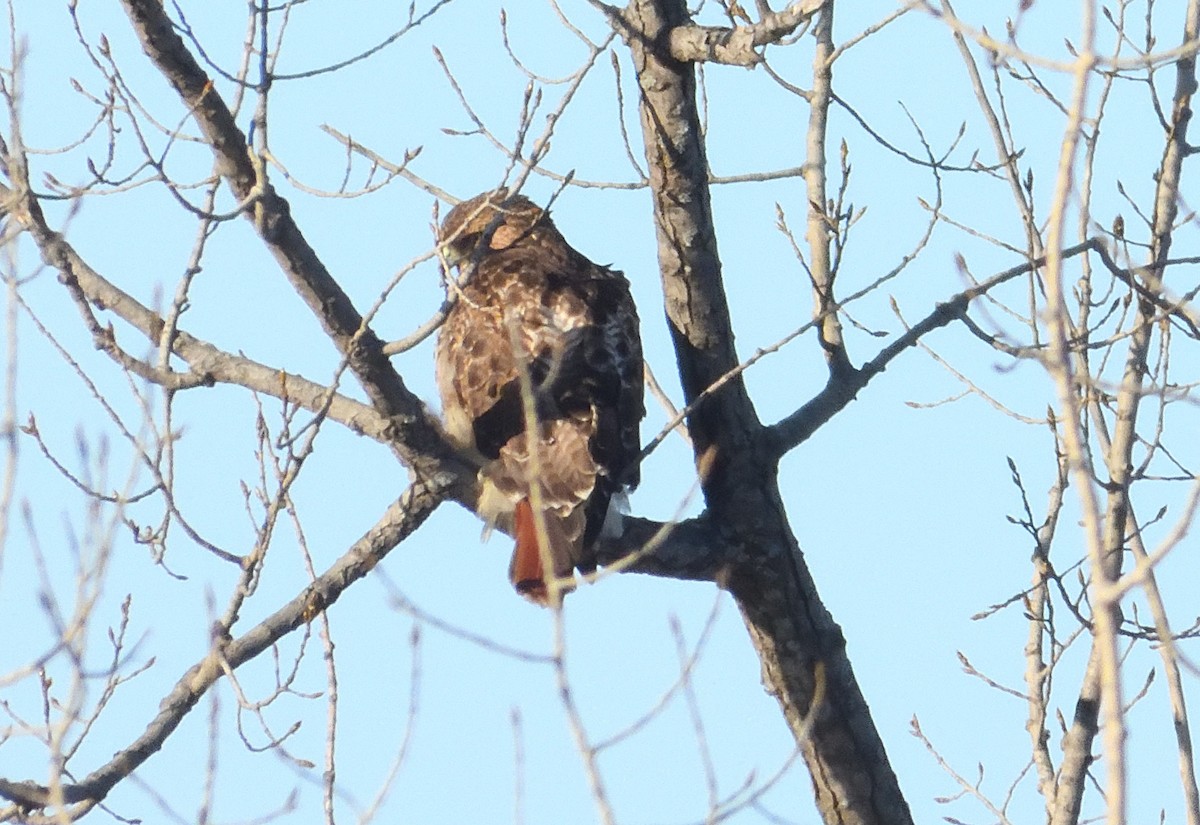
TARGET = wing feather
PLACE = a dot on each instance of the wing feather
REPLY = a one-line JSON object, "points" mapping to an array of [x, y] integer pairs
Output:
{"points": [[533, 303]]}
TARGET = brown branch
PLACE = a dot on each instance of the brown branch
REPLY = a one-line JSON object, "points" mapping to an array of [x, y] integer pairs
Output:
{"points": [[697, 311], [415, 434], [841, 389], [738, 46], [802, 650], [204, 359], [397, 523], [690, 550], [398, 169]]}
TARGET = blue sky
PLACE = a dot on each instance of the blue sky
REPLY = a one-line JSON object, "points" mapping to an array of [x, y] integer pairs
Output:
{"points": [[900, 507]]}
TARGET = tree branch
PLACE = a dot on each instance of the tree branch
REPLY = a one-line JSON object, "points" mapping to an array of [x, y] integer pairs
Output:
{"points": [[415, 433], [1119, 462], [843, 388], [697, 311], [214, 364], [802, 650], [404, 516], [691, 550], [738, 46], [821, 226]]}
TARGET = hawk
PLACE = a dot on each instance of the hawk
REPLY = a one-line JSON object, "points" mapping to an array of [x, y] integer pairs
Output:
{"points": [[528, 310]]}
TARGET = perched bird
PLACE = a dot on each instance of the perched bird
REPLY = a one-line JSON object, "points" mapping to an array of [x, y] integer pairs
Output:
{"points": [[531, 311]]}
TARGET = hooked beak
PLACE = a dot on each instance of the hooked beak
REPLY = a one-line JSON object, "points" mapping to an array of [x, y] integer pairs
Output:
{"points": [[451, 254]]}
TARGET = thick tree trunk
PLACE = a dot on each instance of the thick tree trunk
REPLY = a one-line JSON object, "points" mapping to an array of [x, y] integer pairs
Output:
{"points": [[802, 650]]}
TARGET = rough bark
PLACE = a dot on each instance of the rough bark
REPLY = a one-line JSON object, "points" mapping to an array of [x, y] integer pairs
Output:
{"points": [[801, 648]]}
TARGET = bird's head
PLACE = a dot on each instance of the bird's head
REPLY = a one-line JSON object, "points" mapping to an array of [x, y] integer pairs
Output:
{"points": [[493, 219]]}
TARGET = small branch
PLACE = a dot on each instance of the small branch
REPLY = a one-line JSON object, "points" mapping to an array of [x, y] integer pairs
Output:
{"points": [[821, 226], [841, 389], [206, 360], [399, 521], [969, 788], [398, 169]]}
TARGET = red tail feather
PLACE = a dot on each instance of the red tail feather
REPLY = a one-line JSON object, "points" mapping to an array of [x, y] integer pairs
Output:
{"points": [[525, 571]]}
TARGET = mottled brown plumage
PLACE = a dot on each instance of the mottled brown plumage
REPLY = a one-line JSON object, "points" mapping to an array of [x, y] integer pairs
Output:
{"points": [[526, 301]]}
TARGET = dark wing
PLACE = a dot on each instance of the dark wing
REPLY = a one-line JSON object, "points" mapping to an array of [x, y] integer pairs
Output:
{"points": [[578, 326], [612, 372]]}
